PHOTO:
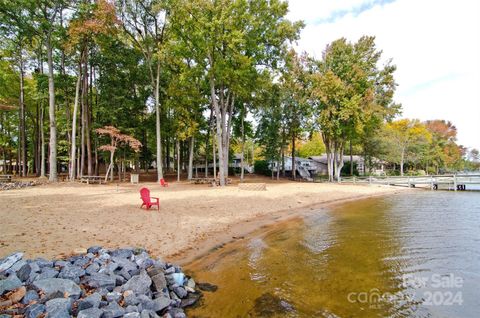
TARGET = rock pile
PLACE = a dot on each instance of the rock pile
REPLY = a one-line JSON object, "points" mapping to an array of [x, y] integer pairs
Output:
{"points": [[16, 185], [98, 284]]}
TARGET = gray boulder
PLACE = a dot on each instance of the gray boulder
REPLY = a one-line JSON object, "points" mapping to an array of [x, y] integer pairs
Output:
{"points": [[72, 272], [124, 263], [94, 249], [101, 280], [9, 261], [10, 283], [131, 308], [130, 298], [92, 269], [47, 272], [159, 281], [122, 252], [113, 310], [148, 314], [53, 285], [92, 301], [180, 291], [81, 261], [157, 304], [61, 263], [41, 262], [139, 284], [30, 296], [34, 311], [90, 313], [59, 307], [16, 267], [177, 313], [113, 296]]}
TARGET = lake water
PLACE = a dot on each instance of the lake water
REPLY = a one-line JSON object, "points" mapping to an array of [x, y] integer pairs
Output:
{"points": [[415, 254]]}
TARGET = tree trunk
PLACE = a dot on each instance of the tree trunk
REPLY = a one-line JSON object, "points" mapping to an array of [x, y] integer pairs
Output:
{"points": [[227, 133], [214, 157], [207, 141], [218, 116], [190, 158], [294, 172], [243, 151], [283, 152], [96, 156], [351, 159], [338, 160], [328, 148], [167, 153], [88, 142], [4, 148], [36, 150], [158, 131], [278, 168], [82, 137], [42, 143], [402, 159], [23, 141], [74, 128], [51, 112], [177, 144], [110, 167]]}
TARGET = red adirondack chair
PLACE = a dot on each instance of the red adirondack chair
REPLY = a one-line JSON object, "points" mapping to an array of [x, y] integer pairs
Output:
{"points": [[163, 183], [147, 199]]}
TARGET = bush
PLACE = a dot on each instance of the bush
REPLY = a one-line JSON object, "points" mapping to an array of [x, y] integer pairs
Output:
{"points": [[346, 169], [261, 167]]}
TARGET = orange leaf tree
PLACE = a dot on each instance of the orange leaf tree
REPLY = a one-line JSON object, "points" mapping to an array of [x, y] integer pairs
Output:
{"points": [[117, 139]]}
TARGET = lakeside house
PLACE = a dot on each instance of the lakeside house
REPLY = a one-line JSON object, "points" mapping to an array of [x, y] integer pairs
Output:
{"points": [[308, 168]]}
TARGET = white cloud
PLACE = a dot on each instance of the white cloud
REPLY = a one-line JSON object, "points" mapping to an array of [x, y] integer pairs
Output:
{"points": [[435, 45]]}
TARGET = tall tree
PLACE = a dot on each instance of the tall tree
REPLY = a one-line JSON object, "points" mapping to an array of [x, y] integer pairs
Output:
{"points": [[145, 23], [92, 22], [353, 94], [232, 50], [405, 139]]}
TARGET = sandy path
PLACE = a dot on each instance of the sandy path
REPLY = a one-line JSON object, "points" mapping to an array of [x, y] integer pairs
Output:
{"points": [[52, 220]]}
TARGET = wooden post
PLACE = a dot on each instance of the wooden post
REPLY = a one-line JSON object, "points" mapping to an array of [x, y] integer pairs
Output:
{"points": [[369, 179], [431, 183], [409, 183], [455, 182]]}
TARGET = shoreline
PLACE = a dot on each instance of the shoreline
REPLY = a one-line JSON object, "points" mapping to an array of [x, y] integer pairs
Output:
{"points": [[250, 226], [54, 220]]}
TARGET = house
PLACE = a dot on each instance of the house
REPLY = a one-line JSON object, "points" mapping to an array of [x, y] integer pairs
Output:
{"points": [[237, 163], [305, 167], [378, 167]]}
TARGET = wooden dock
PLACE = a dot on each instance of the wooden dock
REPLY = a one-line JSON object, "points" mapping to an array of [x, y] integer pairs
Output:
{"points": [[434, 182]]}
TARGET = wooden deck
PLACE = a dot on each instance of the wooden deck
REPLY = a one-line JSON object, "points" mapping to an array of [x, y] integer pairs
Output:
{"points": [[91, 179], [434, 182], [212, 181], [6, 178]]}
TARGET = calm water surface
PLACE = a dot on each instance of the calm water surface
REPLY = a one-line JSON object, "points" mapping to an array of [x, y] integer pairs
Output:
{"points": [[410, 255]]}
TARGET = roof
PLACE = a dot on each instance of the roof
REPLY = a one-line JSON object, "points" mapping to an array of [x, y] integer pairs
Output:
{"points": [[346, 158]]}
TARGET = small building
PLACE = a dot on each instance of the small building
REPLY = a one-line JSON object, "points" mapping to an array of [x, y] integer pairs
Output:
{"points": [[378, 166], [305, 167]]}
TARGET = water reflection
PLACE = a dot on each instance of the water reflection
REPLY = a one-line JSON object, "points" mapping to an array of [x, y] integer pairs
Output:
{"points": [[372, 258]]}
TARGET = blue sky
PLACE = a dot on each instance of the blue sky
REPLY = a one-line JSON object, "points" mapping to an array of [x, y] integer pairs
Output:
{"points": [[434, 43]]}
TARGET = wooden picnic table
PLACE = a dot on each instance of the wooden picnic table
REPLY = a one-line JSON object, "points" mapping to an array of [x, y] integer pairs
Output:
{"points": [[212, 181], [91, 179], [6, 178]]}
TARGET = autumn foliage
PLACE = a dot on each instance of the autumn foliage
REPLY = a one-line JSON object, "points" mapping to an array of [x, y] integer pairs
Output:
{"points": [[117, 139]]}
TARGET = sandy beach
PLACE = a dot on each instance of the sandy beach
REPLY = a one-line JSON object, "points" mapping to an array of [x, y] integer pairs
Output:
{"points": [[57, 219]]}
